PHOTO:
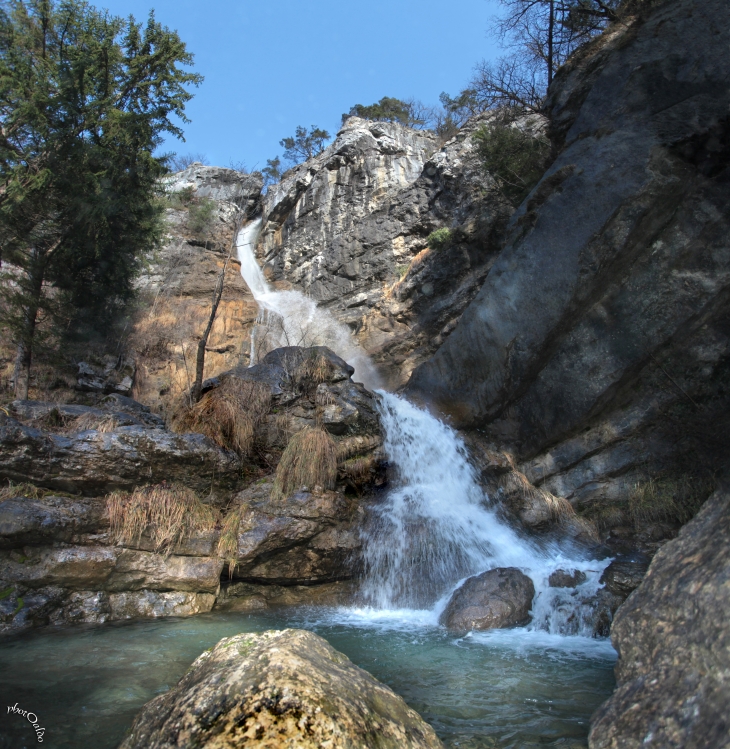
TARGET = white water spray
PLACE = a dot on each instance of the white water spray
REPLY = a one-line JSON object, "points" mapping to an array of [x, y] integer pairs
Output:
{"points": [[435, 527], [289, 318]]}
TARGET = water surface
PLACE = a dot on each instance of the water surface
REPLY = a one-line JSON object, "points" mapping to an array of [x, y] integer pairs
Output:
{"points": [[508, 689]]}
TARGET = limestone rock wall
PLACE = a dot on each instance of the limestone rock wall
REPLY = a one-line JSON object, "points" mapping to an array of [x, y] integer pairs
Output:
{"points": [[177, 287], [598, 346], [349, 228]]}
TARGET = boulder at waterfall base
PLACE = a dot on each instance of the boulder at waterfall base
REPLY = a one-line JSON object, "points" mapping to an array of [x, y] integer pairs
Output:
{"points": [[498, 598], [287, 689]]}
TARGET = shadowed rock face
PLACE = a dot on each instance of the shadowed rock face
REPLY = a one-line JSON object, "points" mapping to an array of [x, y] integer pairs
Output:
{"points": [[499, 598], [310, 537], [600, 335], [278, 689], [674, 645]]}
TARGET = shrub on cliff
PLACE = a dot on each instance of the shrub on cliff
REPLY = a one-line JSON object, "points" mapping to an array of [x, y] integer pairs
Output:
{"points": [[513, 157], [440, 239], [304, 145], [200, 215]]}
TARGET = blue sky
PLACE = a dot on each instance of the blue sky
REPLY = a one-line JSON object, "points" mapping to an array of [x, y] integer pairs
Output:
{"points": [[270, 65]]}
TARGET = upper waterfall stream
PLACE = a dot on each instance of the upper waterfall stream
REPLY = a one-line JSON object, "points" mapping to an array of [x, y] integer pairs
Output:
{"points": [[290, 318]]}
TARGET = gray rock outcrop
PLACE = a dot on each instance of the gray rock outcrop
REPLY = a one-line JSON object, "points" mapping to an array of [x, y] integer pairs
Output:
{"points": [[349, 228], [310, 537], [94, 462], [674, 645], [285, 688], [598, 346], [498, 598]]}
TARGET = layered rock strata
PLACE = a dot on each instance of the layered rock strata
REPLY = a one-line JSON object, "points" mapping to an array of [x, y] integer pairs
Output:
{"points": [[598, 346], [60, 563], [285, 688]]}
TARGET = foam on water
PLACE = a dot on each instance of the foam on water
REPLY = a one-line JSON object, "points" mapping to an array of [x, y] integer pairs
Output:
{"points": [[436, 527]]}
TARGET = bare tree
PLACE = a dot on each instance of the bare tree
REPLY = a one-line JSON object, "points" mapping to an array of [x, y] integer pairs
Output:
{"points": [[539, 36], [179, 161], [247, 186]]}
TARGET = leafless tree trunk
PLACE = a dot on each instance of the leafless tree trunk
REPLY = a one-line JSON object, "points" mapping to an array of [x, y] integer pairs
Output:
{"points": [[26, 330], [197, 388]]}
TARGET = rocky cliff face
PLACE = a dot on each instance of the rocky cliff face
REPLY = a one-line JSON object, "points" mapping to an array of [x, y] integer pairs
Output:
{"points": [[598, 347], [177, 288], [349, 228], [65, 558]]}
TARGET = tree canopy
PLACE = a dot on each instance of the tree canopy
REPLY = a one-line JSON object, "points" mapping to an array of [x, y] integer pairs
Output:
{"points": [[303, 145], [84, 100]]}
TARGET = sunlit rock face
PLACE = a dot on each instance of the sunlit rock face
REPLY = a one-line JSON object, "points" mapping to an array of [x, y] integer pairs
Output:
{"points": [[177, 284], [349, 228]]}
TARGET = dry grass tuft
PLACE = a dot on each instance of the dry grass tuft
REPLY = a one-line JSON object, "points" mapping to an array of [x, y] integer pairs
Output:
{"points": [[607, 515], [168, 512], [89, 421], [671, 500], [310, 460], [24, 490], [517, 489], [309, 372], [228, 414], [228, 541]]}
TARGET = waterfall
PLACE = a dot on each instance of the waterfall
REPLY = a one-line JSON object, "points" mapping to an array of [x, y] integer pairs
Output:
{"points": [[290, 318], [435, 526]]}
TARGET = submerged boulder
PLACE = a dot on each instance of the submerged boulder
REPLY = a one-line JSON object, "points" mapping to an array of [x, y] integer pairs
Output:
{"points": [[285, 688], [498, 598]]}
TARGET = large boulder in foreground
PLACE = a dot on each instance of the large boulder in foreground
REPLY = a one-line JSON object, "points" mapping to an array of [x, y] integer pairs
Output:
{"points": [[498, 598], [673, 640], [278, 689]]}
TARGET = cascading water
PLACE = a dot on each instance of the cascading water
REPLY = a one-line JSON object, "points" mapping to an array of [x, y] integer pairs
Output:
{"points": [[435, 527], [289, 318]]}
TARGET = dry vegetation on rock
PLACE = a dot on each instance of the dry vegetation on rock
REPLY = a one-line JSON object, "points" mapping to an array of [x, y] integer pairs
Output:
{"points": [[310, 460], [167, 512], [228, 414]]}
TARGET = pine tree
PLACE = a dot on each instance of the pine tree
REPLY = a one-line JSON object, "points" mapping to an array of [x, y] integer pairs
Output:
{"points": [[84, 99]]}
